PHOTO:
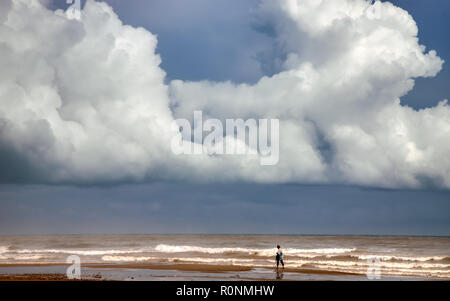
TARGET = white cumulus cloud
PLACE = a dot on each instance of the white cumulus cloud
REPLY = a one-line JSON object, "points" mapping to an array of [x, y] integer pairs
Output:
{"points": [[84, 101]]}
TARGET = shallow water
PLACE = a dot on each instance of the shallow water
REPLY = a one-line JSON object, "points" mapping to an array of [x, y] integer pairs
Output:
{"points": [[389, 257]]}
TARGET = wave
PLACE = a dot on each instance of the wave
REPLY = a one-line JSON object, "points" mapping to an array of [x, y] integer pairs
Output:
{"points": [[181, 249], [128, 258], [313, 254], [386, 268], [204, 260], [405, 258], [213, 260], [20, 258], [321, 251], [81, 252], [385, 258], [381, 264], [262, 252]]}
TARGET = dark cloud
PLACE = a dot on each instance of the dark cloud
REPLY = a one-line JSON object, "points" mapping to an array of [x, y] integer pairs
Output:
{"points": [[231, 208]]}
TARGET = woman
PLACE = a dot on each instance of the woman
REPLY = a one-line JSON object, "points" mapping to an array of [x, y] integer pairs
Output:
{"points": [[279, 257]]}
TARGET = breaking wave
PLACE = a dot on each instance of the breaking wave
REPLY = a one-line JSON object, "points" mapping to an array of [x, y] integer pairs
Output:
{"points": [[262, 252]]}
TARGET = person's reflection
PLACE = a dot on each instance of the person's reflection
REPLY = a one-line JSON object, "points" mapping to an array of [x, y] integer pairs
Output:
{"points": [[279, 274]]}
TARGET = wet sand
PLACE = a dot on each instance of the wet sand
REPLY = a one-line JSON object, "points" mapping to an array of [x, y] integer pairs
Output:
{"points": [[40, 277], [212, 268], [97, 271]]}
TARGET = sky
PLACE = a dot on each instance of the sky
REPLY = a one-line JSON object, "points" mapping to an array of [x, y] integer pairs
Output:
{"points": [[235, 47], [81, 152]]}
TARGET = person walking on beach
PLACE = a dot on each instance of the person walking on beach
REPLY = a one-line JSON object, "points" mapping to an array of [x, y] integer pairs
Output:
{"points": [[279, 256]]}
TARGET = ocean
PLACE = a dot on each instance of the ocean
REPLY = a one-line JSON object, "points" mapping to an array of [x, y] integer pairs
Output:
{"points": [[241, 256]]}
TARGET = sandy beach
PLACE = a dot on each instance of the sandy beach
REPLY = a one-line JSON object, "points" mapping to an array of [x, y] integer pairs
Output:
{"points": [[224, 257], [102, 272]]}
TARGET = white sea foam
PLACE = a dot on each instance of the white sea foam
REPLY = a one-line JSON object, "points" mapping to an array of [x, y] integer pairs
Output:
{"points": [[213, 260], [116, 258], [81, 252], [27, 257], [402, 258], [363, 263], [340, 256], [20, 258], [388, 271], [263, 252], [180, 249], [321, 251], [388, 268]]}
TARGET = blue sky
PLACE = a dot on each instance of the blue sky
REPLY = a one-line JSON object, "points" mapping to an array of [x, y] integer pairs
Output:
{"points": [[433, 19], [232, 46]]}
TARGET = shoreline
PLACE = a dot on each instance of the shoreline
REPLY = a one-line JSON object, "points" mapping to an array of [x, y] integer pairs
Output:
{"points": [[146, 271], [210, 268], [43, 277], [179, 272], [170, 257]]}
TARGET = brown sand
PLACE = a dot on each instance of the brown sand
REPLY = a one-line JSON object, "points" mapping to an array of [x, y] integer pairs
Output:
{"points": [[206, 268], [43, 277], [210, 268], [179, 267]]}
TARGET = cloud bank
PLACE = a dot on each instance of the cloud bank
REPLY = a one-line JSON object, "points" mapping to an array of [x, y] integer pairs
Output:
{"points": [[85, 101]]}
